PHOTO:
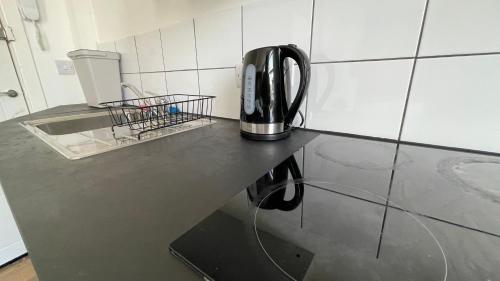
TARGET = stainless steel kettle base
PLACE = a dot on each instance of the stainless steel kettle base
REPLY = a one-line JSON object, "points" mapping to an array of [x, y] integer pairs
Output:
{"points": [[266, 137]]}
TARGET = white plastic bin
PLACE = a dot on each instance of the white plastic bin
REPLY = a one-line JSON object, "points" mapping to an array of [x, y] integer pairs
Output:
{"points": [[99, 74]]}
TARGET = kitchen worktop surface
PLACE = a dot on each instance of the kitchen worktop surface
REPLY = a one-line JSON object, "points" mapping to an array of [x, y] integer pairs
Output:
{"points": [[113, 215], [371, 210], [433, 217]]}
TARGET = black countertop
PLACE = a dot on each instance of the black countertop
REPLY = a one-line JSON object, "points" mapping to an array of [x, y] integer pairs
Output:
{"points": [[432, 215], [113, 215]]}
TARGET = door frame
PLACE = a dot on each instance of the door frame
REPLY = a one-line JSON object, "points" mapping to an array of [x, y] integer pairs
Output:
{"points": [[22, 56], [4, 37]]}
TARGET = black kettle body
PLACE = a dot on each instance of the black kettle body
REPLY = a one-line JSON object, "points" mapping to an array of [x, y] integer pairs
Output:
{"points": [[268, 192], [266, 110]]}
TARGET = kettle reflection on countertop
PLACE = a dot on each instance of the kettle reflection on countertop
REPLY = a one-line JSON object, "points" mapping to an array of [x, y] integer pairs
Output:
{"points": [[268, 192]]}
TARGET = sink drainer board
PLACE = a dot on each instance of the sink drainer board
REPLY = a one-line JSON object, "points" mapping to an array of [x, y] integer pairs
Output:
{"points": [[83, 135], [152, 113]]}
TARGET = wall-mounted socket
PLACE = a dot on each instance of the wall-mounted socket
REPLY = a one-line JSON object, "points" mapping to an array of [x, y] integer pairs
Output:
{"points": [[65, 67]]}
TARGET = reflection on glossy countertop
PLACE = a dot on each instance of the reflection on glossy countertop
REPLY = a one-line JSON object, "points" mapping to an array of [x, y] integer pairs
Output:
{"points": [[436, 220], [459, 187], [77, 136]]}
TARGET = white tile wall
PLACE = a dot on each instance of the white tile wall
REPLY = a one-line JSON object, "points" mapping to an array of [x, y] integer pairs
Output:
{"points": [[454, 102], [218, 39], [107, 46], [133, 79], [154, 82], [179, 46], [149, 51], [366, 29], [128, 61], [182, 82], [455, 95], [267, 23], [364, 98], [461, 26], [222, 84]]}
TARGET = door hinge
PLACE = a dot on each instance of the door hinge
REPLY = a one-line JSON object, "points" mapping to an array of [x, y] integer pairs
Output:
{"points": [[3, 34]]}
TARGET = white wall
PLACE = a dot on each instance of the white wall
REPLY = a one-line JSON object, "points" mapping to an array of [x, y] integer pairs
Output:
{"points": [[116, 19], [82, 23], [73, 24], [57, 34], [453, 101], [61, 33], [23, 57], [362, 54]]}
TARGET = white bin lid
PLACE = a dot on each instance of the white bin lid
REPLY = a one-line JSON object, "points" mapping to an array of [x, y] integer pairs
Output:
{"points": [[94, 54]]}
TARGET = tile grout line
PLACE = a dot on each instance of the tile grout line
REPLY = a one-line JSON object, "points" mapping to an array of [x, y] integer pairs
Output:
{"points": [[196, 56], [163, 57], [448, 222], [405, 108], [363, 60], [451, 148], [305, 117], [302, 213], [303, 177], [458, 55], [408, 57], [307, 102], [403, 210], [241, 23], [307, 98], [181, 70], [138, 63], [217, 68], [340, 61], [345, 194], [310, 54], [409, 143]]}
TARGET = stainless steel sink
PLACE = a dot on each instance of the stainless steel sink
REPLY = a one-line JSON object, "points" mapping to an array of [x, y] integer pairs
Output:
{"points": [[75, 125], [82, 135]]}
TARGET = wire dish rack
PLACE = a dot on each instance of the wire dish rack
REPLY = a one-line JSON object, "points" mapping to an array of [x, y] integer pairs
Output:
{"points": [[151, 113]]}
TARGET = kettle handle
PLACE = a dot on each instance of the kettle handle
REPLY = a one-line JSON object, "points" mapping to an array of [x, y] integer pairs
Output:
{"points": [[291, 204], [300, 57]]}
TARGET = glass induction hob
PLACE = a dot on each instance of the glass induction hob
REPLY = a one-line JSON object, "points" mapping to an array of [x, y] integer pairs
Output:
{"points": [[286, 227], [353, 209]]}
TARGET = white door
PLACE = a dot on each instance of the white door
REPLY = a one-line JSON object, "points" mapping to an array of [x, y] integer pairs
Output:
{"points": [[11, 243], [12, 103]]}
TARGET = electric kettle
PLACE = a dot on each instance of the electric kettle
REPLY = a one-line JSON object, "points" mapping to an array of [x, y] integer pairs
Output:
{"points": [[267, 111], [268, 192]]}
